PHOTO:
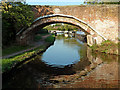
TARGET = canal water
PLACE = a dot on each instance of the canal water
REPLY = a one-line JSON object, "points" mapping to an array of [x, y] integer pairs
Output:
{"points": [[64, 52], [66, 57]]}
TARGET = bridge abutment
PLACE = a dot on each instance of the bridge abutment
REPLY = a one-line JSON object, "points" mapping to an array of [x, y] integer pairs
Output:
{"points": [[94, 40], [25, 40]]}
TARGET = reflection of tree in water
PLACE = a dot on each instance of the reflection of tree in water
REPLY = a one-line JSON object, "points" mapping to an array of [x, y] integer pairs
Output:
{"points": [[69, 69], [72, 42], [105, 57], [59, 37], [68, 41], [81, 64], [83, 51], [39, 66], [84, 60]]}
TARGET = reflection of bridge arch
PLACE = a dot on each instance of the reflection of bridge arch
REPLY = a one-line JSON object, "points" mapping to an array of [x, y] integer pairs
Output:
{"points": [[92, 34]]}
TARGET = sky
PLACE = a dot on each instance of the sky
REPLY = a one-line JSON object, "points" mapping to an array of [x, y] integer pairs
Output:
{"points": [[55, 2]]}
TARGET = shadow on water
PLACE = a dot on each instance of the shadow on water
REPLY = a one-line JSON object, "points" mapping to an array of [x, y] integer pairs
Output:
{"points": [[37, 73], [40, 66], [106, 58]]}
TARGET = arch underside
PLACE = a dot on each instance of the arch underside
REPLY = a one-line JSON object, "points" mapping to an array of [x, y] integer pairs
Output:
{"points": [[47, 21], [60, 18], [41, 22]]}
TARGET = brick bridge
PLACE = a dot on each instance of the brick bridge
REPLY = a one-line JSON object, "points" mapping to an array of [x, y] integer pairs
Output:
{"points": [[98, 22]]}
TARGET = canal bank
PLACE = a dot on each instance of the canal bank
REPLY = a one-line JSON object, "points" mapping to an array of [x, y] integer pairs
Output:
{"points": [[12, 63], [107, 47], [105, 75], [103, 72], [42, 67], [42, 73]]}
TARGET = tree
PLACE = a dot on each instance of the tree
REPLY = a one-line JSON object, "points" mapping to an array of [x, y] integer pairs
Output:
{"points": [[66, 27], [15, 16]]}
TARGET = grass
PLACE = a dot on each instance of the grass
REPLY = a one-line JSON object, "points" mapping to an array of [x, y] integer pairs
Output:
{"points": [[106, 47], [50, 38], [7, 64], [13, 49]]}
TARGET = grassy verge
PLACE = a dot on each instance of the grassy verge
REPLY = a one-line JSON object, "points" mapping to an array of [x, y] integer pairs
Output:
{"points": [[107, 47], [8, 64], [13, 49], [17, 48]]}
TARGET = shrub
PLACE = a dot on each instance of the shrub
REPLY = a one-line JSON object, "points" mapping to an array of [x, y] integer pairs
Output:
{"points": [[37, 38], [50, 38]]}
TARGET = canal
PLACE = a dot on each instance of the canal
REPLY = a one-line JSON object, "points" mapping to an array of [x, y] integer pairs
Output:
{"points": [[67, 63]]}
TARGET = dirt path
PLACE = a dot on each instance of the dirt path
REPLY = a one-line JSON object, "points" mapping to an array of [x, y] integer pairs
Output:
{"points": [[34, 44], [43, 37]]}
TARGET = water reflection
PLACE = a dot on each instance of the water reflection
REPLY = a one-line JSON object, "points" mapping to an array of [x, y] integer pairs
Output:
{"points": [[65, 51], [38, 73]]}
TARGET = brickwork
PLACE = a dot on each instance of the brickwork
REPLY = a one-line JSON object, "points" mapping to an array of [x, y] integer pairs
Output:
{"points": [[98, 22], [103, 18]]}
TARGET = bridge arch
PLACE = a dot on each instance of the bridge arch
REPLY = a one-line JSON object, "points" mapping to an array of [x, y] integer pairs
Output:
{"points": [[93, 36]]}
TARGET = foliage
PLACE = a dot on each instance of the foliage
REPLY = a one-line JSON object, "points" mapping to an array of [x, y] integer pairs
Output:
{"points": [[7, 32], [62, 27], [42, 31], [103, 2], [107, 42], [37, 38], [18, 13], [15, 16], [50, 38], [106, 47], [94, 47], [9, 63]]}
